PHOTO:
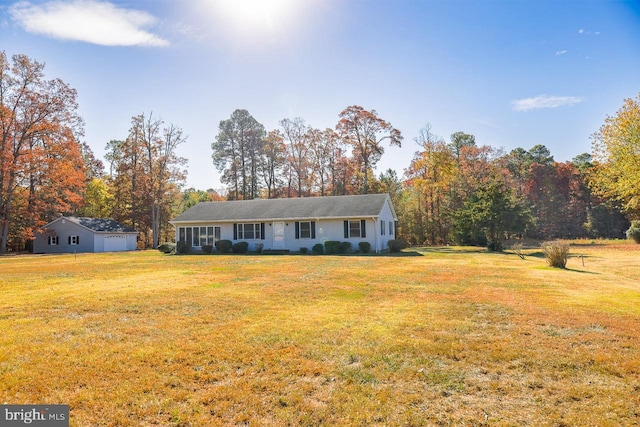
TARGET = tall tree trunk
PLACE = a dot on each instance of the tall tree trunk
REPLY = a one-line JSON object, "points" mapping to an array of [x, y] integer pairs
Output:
{"points": [[4, 233]]}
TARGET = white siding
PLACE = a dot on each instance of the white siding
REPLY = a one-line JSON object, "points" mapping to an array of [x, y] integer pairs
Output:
{"points": [[87, 240], [115, 243], [64, 228], [387, 216], [327, 229]]}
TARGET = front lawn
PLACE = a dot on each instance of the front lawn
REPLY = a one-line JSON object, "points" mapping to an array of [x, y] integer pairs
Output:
{"points": [[457, 336]]}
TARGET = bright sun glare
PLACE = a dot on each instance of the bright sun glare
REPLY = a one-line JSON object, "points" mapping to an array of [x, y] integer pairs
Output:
{"points": [[256, 16]]}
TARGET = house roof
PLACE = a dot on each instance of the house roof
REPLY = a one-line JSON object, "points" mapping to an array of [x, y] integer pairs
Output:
{"points": [[105, 225], [366, 205]]}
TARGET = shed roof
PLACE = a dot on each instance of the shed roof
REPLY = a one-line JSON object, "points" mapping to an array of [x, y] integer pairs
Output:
{"points": [[107, 225], [366, 205]]}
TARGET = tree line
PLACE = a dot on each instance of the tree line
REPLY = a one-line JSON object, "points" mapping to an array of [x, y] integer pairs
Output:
{"points": [[453, 191], [297, 160], [460, 192]]}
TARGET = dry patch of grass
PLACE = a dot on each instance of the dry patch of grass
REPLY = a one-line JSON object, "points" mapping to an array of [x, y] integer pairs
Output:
{"points": [[455, 337]]}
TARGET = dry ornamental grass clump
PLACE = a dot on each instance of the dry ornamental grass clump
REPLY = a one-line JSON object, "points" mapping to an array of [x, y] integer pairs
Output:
{"points": [[556, 253]]}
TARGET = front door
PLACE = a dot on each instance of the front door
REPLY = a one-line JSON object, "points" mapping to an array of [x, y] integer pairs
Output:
{"points": [[278, 235]]}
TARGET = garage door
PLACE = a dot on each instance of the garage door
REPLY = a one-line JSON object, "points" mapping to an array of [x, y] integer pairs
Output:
{"points": [[114, 243]]}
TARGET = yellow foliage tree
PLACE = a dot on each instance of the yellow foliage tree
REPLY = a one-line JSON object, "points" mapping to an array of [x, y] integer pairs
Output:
{"points": [[616, 151], [98, 199]]}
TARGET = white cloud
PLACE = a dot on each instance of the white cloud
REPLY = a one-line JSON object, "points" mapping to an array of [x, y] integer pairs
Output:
{"points": [[544, 101], [584, 32], [90, 21], [561, 52]]}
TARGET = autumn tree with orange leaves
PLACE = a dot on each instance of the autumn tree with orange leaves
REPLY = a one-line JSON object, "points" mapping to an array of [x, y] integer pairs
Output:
{"points": [[297, 137], [42, 170], [146, 174], [327, 157], [430, 179], [274, 159], [364, 131]]}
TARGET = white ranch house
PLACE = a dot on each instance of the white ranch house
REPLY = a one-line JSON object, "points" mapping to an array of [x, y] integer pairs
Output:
{"points": [[290, 224], [81, 234]]}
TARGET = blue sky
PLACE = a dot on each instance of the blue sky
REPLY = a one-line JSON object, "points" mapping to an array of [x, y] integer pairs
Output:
{"points": [[512, 73]]}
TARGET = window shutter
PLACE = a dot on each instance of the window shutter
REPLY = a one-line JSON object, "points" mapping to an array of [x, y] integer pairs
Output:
{"points": [[297, 229], [77, 240], [69, 240], [262, 231], [313, 229], [235, 231], [363, 228], [346, 229]]}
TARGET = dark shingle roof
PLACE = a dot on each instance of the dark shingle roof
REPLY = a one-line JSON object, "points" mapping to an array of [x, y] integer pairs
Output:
{"points": [[101, 224], [360, 206]]}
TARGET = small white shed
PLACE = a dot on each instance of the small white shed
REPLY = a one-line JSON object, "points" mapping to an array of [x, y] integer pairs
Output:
{"points": [[81, 234]]}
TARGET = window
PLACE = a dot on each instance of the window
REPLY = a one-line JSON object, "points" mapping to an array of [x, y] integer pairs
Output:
{"points": [[74, 240], [53, 240], [203, 236], [248, 232], [382, 228], [199, 236], [210, 240], [305, 230], [391, 228], [354, 229]]}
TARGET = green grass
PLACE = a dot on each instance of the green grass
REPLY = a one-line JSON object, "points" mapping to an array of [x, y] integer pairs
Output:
{"points": [[457, 336]]}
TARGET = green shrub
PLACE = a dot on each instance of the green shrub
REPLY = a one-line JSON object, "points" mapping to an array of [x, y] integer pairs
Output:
{"points": [[633, 232], [556, 253], [336, 247], [364, 247], [240, 248], [304, 250], [317, 249], [495, 245], [332, 247], [207, 249], [259, 247], [397, 245], [224, 246], [182, 247], [167, 248]]}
